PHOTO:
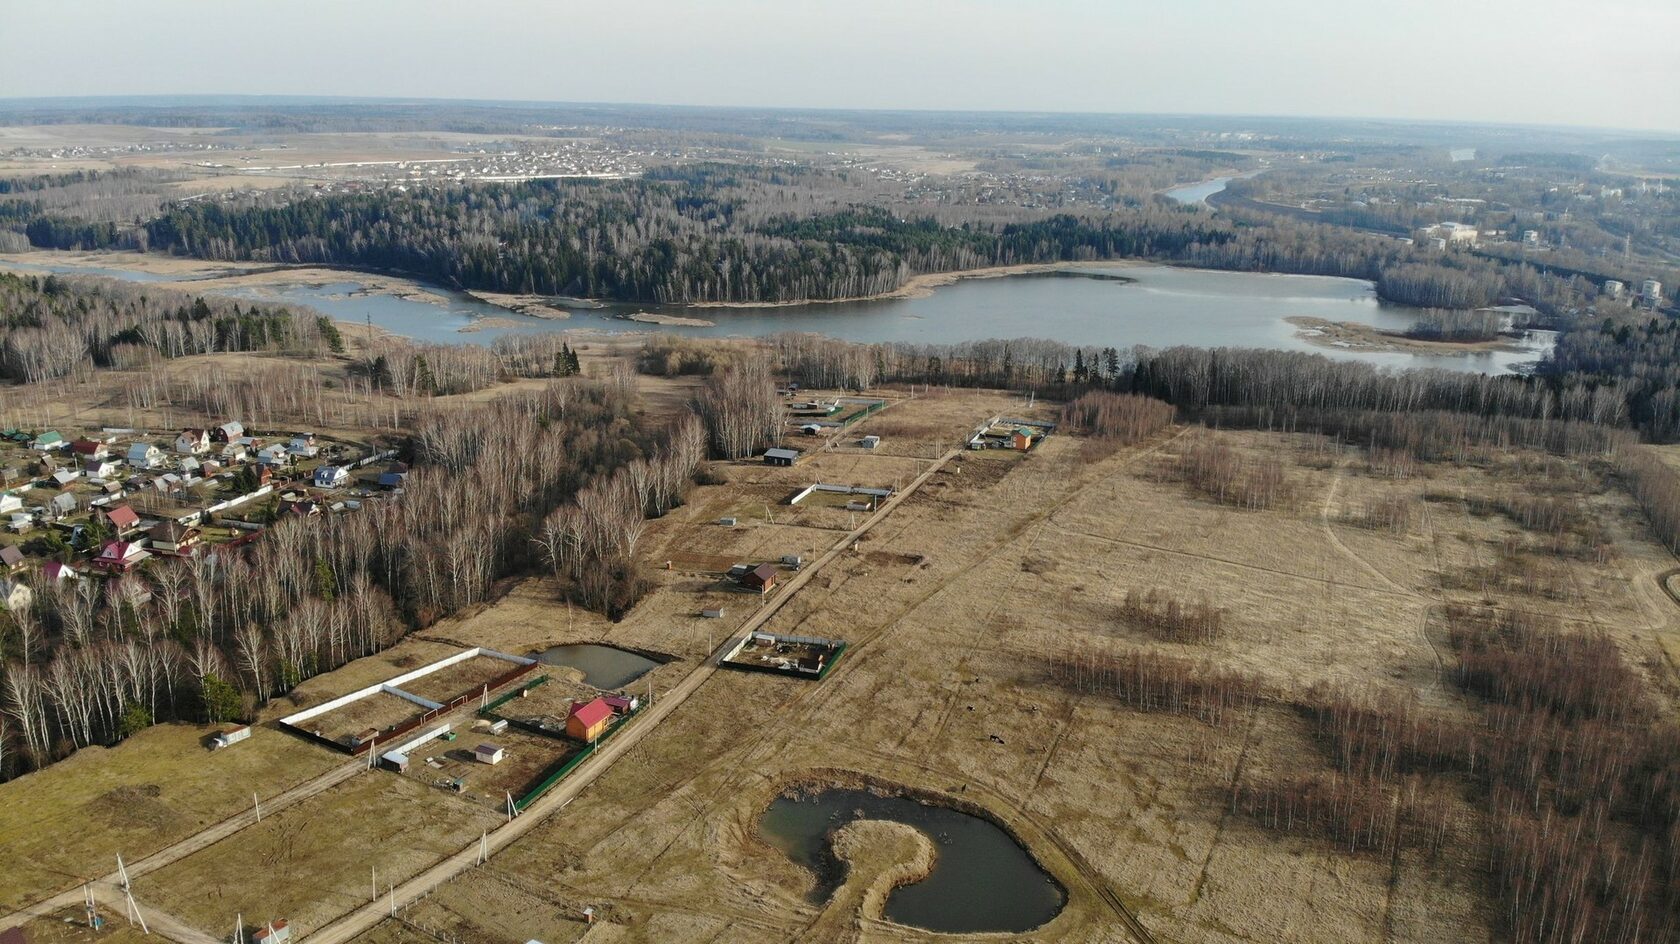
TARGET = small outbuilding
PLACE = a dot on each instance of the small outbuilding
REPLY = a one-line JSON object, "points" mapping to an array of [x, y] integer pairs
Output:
{"points": [[780, 456], [489, 753], [870, 442]]}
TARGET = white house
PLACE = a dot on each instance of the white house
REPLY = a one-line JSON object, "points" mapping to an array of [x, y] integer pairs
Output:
{"points": [[10, 502], [144, 456], [303, 445], [191, 442], [21, 523], [58, 572], [489, 753], [332, 476], [15, 596], [101, 468], [273, 455], [65, 476], [235, 452]]}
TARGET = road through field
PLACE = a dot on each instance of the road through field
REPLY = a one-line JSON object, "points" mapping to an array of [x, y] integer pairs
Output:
{"points": [[360, 920], [111, 884]]}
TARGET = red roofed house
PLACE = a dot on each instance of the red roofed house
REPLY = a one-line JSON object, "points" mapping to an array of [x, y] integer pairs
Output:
{"points": [[588, 719], [760, 578], [90, 448], [121, 518], [121, 556]]}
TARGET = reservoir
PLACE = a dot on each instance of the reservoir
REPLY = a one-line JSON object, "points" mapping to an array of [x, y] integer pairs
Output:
{"points": [[982, 879], [1102, 306], [605, 667]]}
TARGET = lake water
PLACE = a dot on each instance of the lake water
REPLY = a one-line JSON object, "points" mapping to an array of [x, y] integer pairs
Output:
{"points": [[605, 667], [1198, 192], [982, 879], [1152, 305]]}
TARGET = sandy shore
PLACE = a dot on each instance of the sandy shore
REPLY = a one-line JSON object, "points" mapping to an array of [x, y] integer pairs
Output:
{"points": [[1352, 336], [536, 306], [677, 321]]}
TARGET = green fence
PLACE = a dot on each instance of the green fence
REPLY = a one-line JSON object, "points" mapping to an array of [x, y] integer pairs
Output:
{"points": [[489, 711], [569, 764]]}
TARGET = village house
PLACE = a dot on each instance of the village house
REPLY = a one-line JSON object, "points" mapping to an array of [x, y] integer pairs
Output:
{"points": [[303, 444], [120, 557], [21, 523], [90, 448], [588, 720], [489, 753], [58, 572], [121, 519], [63, 477], [235, 452], [144, 456], [174, 539], [61, 506], [10, 502], [191, 442], [15, 596], [229, 432], [100, 467], [332, 476], [761, 578], [276, 454], [780, 457], [11, 558], [49, 440]]}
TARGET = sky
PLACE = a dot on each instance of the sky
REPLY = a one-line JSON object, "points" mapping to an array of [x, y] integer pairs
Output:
{"points": [[1607, 63]]}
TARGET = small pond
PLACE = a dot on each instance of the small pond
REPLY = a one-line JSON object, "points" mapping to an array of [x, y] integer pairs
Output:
{"points": [[982, 880], [605, 667]]}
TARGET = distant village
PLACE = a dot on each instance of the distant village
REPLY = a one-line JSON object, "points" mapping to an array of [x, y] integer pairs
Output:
{"points": [[106, 502]]}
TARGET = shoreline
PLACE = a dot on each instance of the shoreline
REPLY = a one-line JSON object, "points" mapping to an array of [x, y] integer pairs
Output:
{"points": [[1354, 336], [921, 286]]}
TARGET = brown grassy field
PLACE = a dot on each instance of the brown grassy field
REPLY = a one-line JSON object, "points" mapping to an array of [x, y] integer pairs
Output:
{"points": [[313, 861], [958, 608], [953, 607], [68, 822]]}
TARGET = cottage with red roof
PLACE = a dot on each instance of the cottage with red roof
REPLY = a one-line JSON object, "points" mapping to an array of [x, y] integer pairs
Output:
{"points": [[120, 557], [90, 448], [121, 518], [588, 720]]}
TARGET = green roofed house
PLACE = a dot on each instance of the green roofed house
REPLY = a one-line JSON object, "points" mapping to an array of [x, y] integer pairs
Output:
{"points": [[48, 440]]}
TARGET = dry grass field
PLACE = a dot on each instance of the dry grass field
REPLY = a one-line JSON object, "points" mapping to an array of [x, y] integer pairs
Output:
{"points": [[956, 607], [314, 861], [69, 822], [959, 608]]}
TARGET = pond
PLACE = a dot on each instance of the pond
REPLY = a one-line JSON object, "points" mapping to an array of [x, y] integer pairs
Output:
{"points": [[982, 879], [1144, 304], [605, 667]]}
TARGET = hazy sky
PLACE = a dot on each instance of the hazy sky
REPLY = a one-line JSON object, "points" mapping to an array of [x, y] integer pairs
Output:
{"points": [[1607, 62]]}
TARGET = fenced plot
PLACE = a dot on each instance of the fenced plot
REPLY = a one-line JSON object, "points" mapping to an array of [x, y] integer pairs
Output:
{"points": [[380, 712], [306, 722], [470, 675]]}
